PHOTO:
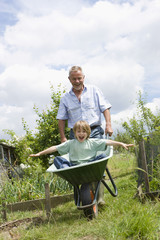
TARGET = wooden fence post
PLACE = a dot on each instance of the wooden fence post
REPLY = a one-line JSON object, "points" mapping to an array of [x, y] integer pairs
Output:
{"points": [[4, 213], [48, 201], [144, 165]]}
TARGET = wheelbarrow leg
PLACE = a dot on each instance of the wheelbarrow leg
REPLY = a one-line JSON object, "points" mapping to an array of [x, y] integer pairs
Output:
{"points": [[115, 193]]}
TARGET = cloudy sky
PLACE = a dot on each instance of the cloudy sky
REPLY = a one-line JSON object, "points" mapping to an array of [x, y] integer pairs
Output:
{"points": [[117, 43]]}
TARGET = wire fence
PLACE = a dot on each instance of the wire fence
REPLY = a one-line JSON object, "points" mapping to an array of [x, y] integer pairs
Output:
{"points": [[148, 158]]}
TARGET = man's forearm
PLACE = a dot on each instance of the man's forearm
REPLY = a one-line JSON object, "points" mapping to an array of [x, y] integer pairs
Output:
{"points": [[61, 125], [107, 116]]}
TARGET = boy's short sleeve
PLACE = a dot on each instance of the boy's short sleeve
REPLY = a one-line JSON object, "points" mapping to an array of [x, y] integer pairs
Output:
{"points": [[63, 148], [99, 144]]}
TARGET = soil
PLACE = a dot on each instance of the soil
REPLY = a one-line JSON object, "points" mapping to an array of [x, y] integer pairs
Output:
{"points": [[8, 229]]}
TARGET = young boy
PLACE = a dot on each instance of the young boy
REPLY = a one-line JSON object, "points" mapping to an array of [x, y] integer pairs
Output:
{"points": [[82, 149]]}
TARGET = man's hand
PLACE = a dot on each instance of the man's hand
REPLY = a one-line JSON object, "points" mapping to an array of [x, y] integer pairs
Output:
{"points": [[108, 130], [64, 139]]}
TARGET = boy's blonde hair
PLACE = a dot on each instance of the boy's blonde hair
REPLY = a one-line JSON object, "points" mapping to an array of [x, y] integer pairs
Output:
{"points": [[75, 69], [84, 125]]}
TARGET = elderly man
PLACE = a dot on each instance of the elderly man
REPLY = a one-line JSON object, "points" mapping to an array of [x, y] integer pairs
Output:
{"points": [[84, 102]]}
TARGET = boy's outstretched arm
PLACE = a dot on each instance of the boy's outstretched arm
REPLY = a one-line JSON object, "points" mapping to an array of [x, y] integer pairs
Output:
{"points": [[44, 152], [120, 144]]}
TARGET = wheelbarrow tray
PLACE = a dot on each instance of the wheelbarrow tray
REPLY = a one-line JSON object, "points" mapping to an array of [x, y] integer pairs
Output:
{"points": [[83, 173]]}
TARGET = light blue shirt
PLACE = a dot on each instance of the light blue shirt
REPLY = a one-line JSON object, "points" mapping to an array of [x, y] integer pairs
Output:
{"points": [[89, 109], [80, 152]]}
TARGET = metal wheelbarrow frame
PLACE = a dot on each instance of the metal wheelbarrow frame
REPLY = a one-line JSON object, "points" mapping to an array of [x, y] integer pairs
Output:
{"points": [[83, 175]]}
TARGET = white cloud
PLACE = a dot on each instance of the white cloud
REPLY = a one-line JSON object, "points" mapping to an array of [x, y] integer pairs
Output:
{"points": [[154, 105], [119, 81], [22, 84], [118, 46], [11, 118], [125, 115]]}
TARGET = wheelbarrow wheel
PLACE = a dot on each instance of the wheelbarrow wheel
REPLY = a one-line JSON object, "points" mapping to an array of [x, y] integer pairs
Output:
{"points": [[87, 197]]}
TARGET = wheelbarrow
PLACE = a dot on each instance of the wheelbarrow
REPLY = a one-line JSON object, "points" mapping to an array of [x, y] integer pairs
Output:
{"points": [[86, 179]]}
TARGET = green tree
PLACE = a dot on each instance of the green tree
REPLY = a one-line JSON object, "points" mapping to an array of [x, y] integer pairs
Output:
{"points": [[47, 132], [143, 122], [21, 144], [123, 137]]}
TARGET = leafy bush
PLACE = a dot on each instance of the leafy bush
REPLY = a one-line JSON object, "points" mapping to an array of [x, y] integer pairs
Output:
{"points": [[143, 122], [46, 134], [123, 137], [47, 131]]}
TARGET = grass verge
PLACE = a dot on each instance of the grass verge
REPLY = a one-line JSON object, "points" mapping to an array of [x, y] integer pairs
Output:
{"points": [[123, 217]]}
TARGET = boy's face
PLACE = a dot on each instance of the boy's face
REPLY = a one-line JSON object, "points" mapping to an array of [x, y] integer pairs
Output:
{"points": [[81, 134]]}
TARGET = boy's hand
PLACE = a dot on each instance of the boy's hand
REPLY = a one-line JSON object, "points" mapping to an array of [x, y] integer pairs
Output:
{"points": [[126, 146]]}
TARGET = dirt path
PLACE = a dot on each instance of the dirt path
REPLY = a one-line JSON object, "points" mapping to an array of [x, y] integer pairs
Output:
{"points": [[8, 229]]}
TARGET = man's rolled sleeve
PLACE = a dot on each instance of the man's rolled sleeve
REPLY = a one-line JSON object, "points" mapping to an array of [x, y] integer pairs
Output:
{"points": [[103, 102], [62, 112]]}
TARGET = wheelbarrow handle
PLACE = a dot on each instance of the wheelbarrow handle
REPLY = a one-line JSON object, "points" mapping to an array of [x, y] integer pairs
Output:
{"points": [[114, 194], [107, 136]]}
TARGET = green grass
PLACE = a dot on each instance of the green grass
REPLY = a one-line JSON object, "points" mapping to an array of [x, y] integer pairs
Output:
{"points": [[123, 217]]}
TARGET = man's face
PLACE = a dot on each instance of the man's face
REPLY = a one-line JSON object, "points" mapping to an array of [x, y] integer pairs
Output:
{"points": [[77, 80]]}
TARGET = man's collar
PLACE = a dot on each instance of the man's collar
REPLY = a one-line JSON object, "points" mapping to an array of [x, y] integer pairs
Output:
{"points": [[72, 92]]}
